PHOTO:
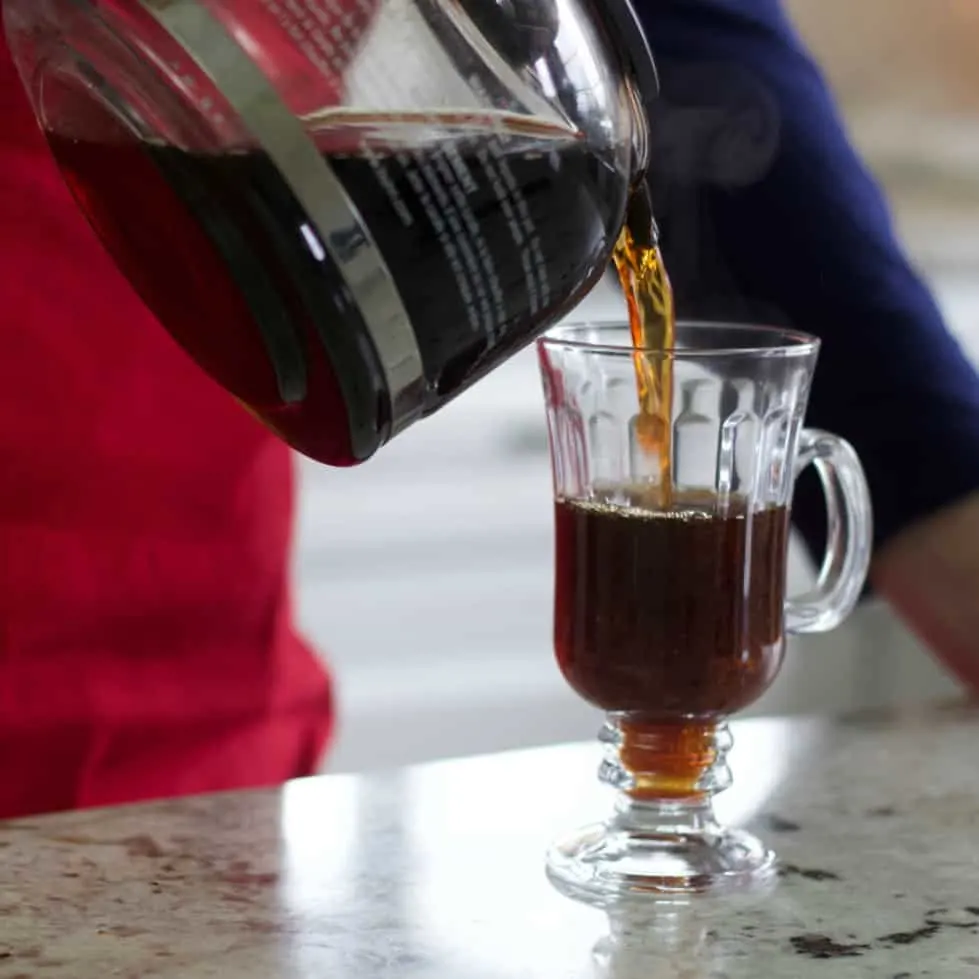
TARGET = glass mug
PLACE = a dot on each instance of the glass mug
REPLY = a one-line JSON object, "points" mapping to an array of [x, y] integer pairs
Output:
{"points": [[672, 616], [346, 211]]}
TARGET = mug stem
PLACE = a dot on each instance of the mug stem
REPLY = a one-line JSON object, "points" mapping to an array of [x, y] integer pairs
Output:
{"points": [[662, 836], [666, 776]]}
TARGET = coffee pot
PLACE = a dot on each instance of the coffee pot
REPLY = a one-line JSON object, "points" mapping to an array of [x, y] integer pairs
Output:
{"points": [[346, 211]]}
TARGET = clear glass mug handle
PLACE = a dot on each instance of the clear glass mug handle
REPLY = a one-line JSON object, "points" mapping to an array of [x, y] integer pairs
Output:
{"points": [[849, 534]]}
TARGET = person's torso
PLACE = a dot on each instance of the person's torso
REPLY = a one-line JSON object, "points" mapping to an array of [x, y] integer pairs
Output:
{"points": [[145, 523]]}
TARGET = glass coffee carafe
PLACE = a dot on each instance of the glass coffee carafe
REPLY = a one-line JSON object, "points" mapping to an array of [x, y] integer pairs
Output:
{"points": [[345, 211]]}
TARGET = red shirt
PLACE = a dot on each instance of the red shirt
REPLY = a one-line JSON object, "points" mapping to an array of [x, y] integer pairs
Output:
{"points": [[147, 645]]}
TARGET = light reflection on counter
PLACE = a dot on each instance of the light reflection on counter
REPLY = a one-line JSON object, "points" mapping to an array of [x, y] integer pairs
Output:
{"points": [[347, 873], [767, 751], [320, 827], [465, 823], [677, 937], [650, 947]]}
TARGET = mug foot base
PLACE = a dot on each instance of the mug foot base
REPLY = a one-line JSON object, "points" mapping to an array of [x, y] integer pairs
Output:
{"points": [[605, 865]]}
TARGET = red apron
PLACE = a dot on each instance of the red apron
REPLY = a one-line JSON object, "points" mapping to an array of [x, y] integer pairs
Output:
{"points": [[147, 646]]}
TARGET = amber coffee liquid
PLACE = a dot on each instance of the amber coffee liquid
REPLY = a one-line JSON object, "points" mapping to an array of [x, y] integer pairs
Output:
{"points": [[670, 618], [652, 322]]}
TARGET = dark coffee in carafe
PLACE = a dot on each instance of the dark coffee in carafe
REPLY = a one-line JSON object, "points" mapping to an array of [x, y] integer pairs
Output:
{"points": [[488, 238]]}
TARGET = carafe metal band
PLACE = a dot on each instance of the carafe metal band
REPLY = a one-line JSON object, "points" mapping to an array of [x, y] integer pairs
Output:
{"points": [[311, 179]]}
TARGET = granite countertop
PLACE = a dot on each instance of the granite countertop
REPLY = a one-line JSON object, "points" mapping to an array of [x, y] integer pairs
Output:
{"points": [[436, 872]]}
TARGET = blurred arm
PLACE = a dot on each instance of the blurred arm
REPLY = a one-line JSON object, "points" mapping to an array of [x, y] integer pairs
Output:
{"points": [[930, 575], [767, 212]]}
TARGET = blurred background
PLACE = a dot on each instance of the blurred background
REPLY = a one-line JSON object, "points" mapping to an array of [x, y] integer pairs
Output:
{"points": [[425, 576]]}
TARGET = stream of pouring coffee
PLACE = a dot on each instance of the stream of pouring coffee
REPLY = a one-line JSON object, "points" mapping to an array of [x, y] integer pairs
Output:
{"points": [[652, 321]]}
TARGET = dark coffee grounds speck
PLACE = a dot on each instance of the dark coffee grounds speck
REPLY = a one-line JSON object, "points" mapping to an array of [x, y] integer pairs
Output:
{"points": [[823, 947]]}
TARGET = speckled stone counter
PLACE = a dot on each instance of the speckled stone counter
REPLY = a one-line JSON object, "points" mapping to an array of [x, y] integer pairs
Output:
{"points": [[436, 872]]}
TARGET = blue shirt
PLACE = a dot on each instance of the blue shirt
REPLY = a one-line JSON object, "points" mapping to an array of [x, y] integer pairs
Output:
{"points": [[767, 214]]}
